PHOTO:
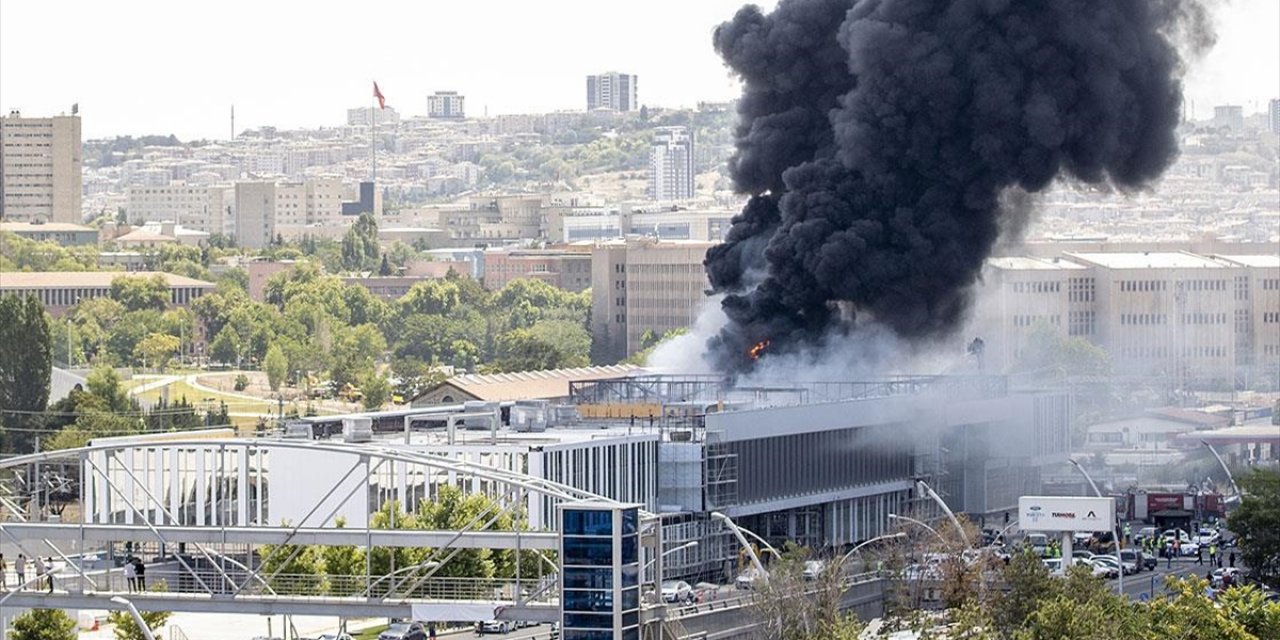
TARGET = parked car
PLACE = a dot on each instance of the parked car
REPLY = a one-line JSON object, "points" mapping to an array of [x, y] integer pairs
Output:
{"points": [[496, 626], [1081, 554], [1144, 533], [335, 636], [1139, 559], [1128, 566], [677, 591], [747, 579], [813, 569], [1216, 580], [1206, 537], [404, 631], [1105, 567]]}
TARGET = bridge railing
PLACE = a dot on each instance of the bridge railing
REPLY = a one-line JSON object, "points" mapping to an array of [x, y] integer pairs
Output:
{"points": [[321, 586]]}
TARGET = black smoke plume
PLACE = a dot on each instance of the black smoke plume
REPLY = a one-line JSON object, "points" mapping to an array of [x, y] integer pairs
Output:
{"points": [[882, 143]]}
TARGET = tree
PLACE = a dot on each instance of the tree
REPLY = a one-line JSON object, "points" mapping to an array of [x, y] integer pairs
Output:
{"points": [[126, 628], [156, 350], [43, 624], [26, 365], [1257, 522], [376, 390], [342, 565], [360, 244], [385, 268], [522, 350], [139, 292], [104, 384], [276, 366]]}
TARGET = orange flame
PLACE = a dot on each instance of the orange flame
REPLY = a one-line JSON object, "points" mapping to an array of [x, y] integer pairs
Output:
{"points": [[755, 351]]}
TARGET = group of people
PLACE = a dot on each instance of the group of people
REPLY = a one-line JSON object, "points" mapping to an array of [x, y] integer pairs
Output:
{"points": [[43, 570], [135, 573]]}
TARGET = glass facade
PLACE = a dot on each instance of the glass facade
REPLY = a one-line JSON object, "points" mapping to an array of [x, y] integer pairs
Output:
{"points": [[600, 592]]}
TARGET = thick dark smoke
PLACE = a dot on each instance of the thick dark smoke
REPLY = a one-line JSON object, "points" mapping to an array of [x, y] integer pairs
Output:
{"points": [[886, 143]]}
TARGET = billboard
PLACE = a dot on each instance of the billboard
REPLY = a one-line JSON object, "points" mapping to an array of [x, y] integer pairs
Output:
{"points": [[1058, 513]]}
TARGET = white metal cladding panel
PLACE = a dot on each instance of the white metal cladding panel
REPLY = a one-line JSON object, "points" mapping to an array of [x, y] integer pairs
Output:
{"points": [[300, 479]]}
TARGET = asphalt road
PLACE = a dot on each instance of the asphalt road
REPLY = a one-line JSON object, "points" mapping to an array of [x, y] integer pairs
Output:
{"points": [[1149, 583]]}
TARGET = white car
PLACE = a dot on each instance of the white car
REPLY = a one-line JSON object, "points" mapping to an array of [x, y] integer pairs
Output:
{"points": [[496, 626], [813, 569], [677, 591], [1207, 537], [748, 579], [335, 636]]}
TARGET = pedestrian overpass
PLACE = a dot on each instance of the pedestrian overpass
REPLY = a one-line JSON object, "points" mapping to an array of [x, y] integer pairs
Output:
{"points": [[201, 512]]}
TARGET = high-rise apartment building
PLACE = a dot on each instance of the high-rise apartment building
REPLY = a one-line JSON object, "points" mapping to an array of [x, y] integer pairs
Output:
{"points": [[447, 105], [1229, 116], [40, 179], [290, 210], [612, 90], [1273, 116], [671, 164]]}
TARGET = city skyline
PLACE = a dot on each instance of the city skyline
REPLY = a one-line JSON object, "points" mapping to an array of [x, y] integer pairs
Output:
{"points": [[297, 80]]}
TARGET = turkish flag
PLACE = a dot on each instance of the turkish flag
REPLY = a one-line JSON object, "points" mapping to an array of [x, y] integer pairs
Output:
{"points": [[382, 101]]}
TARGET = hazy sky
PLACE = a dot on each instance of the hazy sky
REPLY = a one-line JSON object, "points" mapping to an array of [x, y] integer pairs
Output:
{"points": [[141, 66]]}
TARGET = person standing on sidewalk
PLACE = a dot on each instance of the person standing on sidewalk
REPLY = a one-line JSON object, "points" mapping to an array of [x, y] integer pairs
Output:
{"points": [[3, 574], [20, 566]]}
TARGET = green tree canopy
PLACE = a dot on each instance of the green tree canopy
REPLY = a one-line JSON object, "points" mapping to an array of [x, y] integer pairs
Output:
{"points": [[139, 292], [360, 245], [276, 366], [1257, 523], [26, 365], [43, 624]]}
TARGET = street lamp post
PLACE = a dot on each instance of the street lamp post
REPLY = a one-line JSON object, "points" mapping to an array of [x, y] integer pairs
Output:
{"points": [[941, 503], [894, 516], [1115, 531], [1230, 478], [688, 545], [742, 540], [137, 617], [887, 536]]}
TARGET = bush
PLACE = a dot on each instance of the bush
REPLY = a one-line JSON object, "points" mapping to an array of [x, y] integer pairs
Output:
{"points": [[242, 382]]}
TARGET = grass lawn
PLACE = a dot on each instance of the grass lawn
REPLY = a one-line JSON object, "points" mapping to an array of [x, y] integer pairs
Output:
{"points": [[371, 633]]}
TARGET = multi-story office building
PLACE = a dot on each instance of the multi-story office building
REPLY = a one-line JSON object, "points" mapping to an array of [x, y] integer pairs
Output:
{"points": [[447, 105], [819, 464], [613, 91], [568, 269], [490, 219], [1192, 318], [642, 285], [40, 176], [65, 234], [58, 291], [671, 164], [290, 210], [207, 209]]}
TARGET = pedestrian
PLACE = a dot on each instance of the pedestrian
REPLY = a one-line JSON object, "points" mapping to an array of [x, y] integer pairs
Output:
{"points": [[140, 583], [41, 571], [20, 567], [130, 574], [49, 572], [1227, 580], [1209, 591], [1231, 563], [1168, 559], [1177, 547], [1213, 553], [479, 628], [1199, 554], [431, 631], [1127, 534], [3, 573]]}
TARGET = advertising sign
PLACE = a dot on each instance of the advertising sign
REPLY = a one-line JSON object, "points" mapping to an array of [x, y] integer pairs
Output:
{"points": [[1058, 513]]}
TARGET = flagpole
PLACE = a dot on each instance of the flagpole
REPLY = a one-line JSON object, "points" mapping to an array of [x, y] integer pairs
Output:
{"points": [[373, 136]]}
